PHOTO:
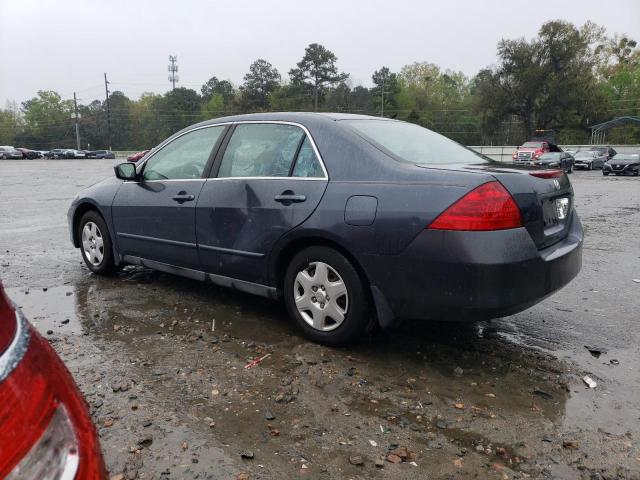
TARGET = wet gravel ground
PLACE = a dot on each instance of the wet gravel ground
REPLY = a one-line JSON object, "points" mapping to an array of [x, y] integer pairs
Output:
{"points": [[171, 398]]}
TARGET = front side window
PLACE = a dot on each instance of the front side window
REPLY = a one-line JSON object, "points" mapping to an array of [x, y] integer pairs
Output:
{"points": [[261, 150], [413, 143], [183, 158]]}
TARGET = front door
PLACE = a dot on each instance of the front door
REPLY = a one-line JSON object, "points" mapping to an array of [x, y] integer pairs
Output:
{"points": [[269, 180], [154, 218]]}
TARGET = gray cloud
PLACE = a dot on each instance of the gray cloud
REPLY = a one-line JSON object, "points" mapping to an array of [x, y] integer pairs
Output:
{"points": [[66, 45]]}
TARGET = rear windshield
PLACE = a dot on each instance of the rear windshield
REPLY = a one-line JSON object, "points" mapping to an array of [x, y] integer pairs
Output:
{"points": [[413, 143], [549, 155]]}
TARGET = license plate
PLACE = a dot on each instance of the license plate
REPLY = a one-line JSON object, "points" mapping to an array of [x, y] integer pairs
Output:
{"points": [[562, 208]]}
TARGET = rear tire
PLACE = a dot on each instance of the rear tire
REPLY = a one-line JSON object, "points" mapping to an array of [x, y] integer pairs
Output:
{"points": [[606, 174], [95, 244], [326, 296]]}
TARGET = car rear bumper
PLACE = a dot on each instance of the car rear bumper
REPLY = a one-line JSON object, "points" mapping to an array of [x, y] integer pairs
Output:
{"points": [[449, 275]]}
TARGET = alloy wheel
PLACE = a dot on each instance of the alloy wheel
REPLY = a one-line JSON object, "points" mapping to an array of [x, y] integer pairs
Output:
{"points": [[92, 243], [321, 296]]}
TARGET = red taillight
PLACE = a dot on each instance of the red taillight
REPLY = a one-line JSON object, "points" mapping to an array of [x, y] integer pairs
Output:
{"points": [[7, 321], [488, 207], [547, 174], [36, 400]]}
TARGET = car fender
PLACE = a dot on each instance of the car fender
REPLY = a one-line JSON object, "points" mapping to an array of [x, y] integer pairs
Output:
{"points": [[100, 196]]}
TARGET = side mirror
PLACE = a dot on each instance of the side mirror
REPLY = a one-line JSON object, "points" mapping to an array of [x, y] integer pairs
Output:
{"points": [[125, 171]]}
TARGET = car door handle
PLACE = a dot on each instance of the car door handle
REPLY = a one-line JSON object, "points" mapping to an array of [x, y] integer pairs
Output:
{"points": [[183, 197], [289, 197]]}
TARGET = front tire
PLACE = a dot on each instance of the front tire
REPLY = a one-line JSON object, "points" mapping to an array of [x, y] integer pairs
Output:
{"points": [[591, 166], [95, 244], [326, 296]]}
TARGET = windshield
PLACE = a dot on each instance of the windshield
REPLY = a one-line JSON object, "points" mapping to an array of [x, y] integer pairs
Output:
{"points": [[627, 156], [533, 144], [585, 155], [413, 143]]}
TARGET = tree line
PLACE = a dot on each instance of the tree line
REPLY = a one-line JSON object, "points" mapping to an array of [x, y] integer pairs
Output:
{"points": [[565, 79]]}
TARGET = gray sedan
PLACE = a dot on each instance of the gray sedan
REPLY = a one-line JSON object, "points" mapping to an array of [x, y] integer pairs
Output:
{"points": [[353, 221], [589, 159], [7, 152]]}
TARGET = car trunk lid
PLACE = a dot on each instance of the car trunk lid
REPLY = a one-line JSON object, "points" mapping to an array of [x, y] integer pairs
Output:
{"points": [[545, 203]]}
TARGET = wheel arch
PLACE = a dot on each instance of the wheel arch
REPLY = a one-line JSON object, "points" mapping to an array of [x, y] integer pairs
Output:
{"points": [[80, 210], [287, 251], [383, 314]]}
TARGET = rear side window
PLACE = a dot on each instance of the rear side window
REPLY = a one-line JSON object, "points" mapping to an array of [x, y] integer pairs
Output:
{"points": [[412, 143], [261, 150], [183, 158], [307, 163]]}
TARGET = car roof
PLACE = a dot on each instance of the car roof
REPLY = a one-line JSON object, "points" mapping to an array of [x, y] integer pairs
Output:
{"points": [[297, 117]]}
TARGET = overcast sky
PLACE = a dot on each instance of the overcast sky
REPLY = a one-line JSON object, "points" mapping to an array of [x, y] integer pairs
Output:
{"points": [[67, 45]]}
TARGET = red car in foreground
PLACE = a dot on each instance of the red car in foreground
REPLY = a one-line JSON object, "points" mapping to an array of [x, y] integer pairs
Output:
{"points": [[45, 428]]}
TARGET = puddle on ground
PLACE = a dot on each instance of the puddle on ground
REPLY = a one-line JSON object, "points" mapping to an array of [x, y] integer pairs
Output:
{"points": [[49, 309]]}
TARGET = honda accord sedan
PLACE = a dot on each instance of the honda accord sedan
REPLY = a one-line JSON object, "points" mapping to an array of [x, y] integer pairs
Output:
{"points": [[45, 429], [351, 220]]}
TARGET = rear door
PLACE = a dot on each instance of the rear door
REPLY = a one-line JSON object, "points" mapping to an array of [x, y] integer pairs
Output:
{"points": [[154, 218], [268, 179]]}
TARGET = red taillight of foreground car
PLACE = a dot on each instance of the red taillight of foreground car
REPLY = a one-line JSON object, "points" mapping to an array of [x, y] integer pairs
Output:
{"points": [[45, 429], [487, 207], [546, 174], [7, 321]]}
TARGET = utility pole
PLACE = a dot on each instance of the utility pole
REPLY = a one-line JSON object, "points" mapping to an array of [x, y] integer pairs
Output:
{"points": [[173, 69], [382, 99], [106, 89], [75, 108]]}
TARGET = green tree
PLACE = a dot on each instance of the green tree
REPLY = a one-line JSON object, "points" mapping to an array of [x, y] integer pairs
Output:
{"points": [[318, 70], [49, 119], [385, 90], [11, 124], [179, 108], [545, 83], [214, 86], [262, 79]]}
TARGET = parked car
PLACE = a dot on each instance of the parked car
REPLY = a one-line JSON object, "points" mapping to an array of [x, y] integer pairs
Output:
{"points": [[390, 221], [45, 428], [589, 159], [561, 160], [608, 152], [530, 151], [104, 154], [7, 152], [623, 164], [29, 154], [72, 153], [137, 156], [56, 153]]}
